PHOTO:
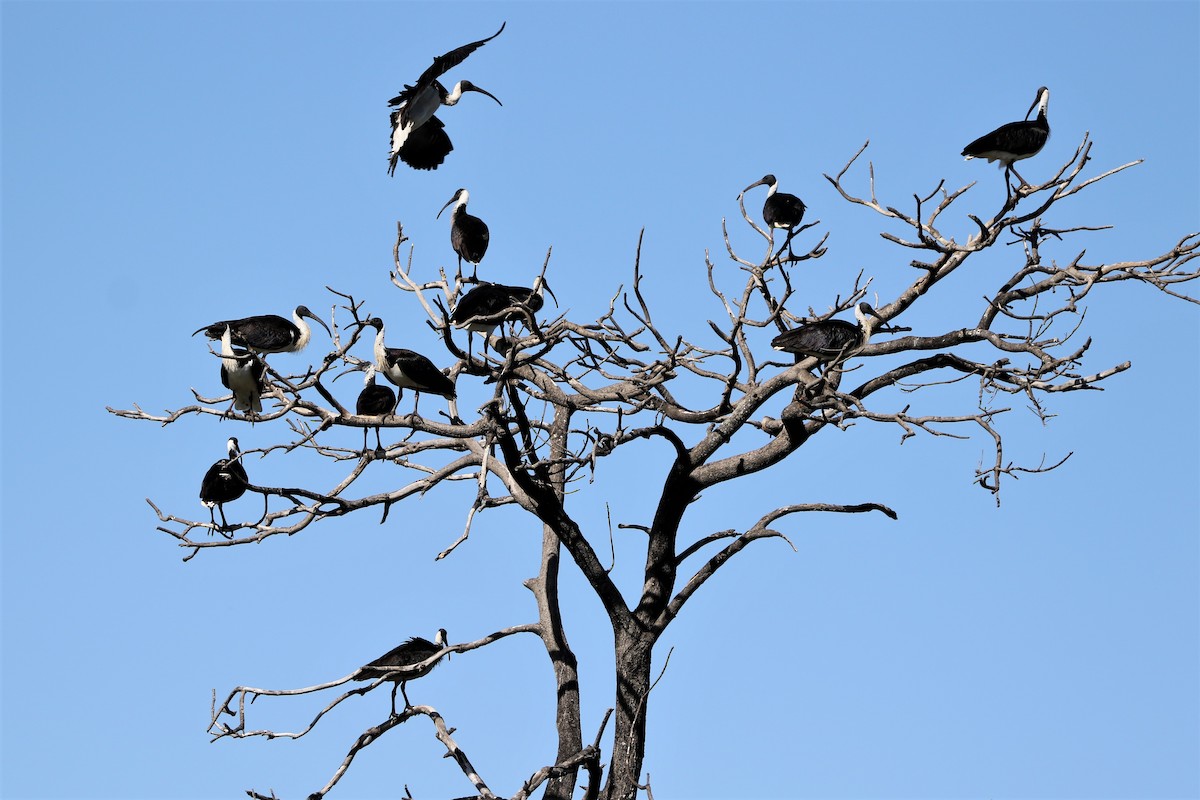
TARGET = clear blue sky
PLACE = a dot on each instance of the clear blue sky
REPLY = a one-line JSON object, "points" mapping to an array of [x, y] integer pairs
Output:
{"points": [[169, 164]]}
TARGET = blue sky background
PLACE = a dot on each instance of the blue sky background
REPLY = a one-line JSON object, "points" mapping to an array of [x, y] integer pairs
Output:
{"points": [[169, 164]]}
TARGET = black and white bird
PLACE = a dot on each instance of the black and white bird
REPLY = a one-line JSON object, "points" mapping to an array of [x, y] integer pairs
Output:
{"points": [[781, 210], [830, 339], [469, 234], [242, 374], [409, 654], [375, 400], [418, 137], [489, 304], [267, 333], [408, 369], [224, 482], [1015, 141]]}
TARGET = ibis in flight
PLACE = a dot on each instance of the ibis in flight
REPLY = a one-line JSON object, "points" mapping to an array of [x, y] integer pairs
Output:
{"points": [[375, 400], [242, 374], [224, 482], [1015, 141], [409, 654], [418, 137], [468, 234], [830, 339], [489, 304], [267, 333], [408, 369]]}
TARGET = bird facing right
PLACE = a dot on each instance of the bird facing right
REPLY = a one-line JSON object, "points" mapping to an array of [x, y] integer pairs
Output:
{"points": [[1015, 141], [408, 654]]}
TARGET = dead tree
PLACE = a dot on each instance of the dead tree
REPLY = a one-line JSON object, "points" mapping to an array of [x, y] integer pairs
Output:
{"points": [[563, 396]]}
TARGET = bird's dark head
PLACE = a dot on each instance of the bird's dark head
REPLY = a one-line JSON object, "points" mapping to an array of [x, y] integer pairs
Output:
{"points": [[373, 322], [467, 86], [461, 197], [441, 640], [766, 180], [302, 311], [867, 316]]}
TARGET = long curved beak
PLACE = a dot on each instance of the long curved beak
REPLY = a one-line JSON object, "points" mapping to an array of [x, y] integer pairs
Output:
{"points": [[484, 91], [1036, 100], [751, 186], [319, 321], [449, 203], [546, 286]]}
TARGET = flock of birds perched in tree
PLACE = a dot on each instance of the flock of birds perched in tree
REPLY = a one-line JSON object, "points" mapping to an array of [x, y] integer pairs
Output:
{"points": [[419, 140]]}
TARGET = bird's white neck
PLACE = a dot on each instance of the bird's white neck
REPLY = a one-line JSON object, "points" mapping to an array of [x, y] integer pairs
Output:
{"points": [[305, 331], [454, 96], [380, 351]]}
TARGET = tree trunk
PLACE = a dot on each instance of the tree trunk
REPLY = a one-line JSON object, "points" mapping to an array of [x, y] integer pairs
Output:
{"points": [[566, 671], [566, 666], [633, 651]]}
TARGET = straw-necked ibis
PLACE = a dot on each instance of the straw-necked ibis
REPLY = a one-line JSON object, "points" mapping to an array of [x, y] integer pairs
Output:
{"points": [[830, 339], [1015, 141], [408, 369], [375, 400], [242, 374], [224, 482], [267, 333], [780, 210], [400, 664], [469, 234], [418, 137], [489, 304]]}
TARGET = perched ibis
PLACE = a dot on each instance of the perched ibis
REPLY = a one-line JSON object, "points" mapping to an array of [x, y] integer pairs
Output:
{"points": [[489, 304], [375, 400], [224, 482], [409, 654], [830, 339], [781, 210], [418, 137], [267, 333], [242, 374], [408, 369], [468, 234], [1010, 143]]}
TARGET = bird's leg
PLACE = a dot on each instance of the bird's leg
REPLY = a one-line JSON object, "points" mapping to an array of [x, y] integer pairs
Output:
{"points": [[224, 523], [379, 451], [1014, 172], [365, 439], [416, 402], [407, 702], [395, 686]]}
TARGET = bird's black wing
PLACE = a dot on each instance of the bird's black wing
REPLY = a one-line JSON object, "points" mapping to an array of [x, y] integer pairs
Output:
{"points": [[443, 63], [269, 332], [489, 299], [425, 148], [1016, 138], [376, 400], [420, 369], [413, 651]]}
